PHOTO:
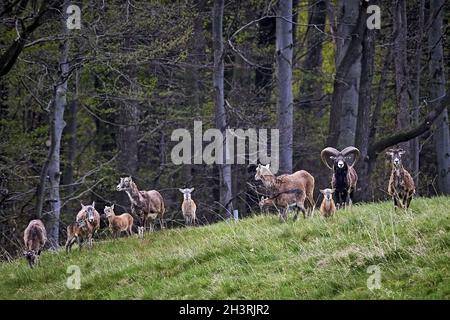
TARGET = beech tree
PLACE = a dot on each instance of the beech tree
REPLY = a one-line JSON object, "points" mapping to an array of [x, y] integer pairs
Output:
{"points": [[220, 114], [284, 48], [437, 91], [57, 126], [351, 25]]}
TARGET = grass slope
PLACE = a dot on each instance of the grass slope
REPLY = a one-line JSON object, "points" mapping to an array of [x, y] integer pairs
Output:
{"points": [[259, 258]]}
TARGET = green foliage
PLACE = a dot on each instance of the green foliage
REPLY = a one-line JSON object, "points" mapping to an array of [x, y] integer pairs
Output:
{"points": [[328, 66]]}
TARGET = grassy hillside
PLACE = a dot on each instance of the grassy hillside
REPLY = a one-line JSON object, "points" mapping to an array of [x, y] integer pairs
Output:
{"points": [[259, 258]]}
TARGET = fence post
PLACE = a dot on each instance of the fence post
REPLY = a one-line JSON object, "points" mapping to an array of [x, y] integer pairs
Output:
{"points": [[236, 214]]}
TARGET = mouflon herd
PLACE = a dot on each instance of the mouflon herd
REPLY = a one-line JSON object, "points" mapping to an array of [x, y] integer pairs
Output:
{"points": [[285, 192]]}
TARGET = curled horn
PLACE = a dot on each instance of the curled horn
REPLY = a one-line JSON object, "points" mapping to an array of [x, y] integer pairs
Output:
{"points": [[353, 150], [395, 149], [328, 151]]}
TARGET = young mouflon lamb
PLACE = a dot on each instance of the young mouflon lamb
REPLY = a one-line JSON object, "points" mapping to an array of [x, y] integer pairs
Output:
{"points": [[298, 186], [117, 224], [188, 207], [328, 207], [76, 231], [284, 201]]}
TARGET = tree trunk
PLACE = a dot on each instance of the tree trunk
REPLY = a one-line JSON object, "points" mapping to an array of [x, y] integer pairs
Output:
{"points": [[72, 136], [3, 99], [266, 37], [365, 106], [221, 117], [365, 172], [311, 91], [344, 106], [54, 172], [437, 90], [284, 81], [242, 79], [415, 88], [128, 139], [127, 142], [72, 123], [401, 73], [194, 75], [295, 11]]}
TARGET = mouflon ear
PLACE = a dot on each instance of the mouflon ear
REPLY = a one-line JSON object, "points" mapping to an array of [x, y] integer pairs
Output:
{"points": [[93, 204], [192, 189], [322, 191], [333, 190], [181, 190], [112, 207]]}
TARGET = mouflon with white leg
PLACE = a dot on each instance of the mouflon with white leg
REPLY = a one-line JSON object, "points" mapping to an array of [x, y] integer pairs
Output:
{"points": [[148, 205], [401, 185]]}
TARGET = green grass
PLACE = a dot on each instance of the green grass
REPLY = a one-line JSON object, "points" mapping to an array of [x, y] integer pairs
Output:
{"points": [[259, 258]]}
